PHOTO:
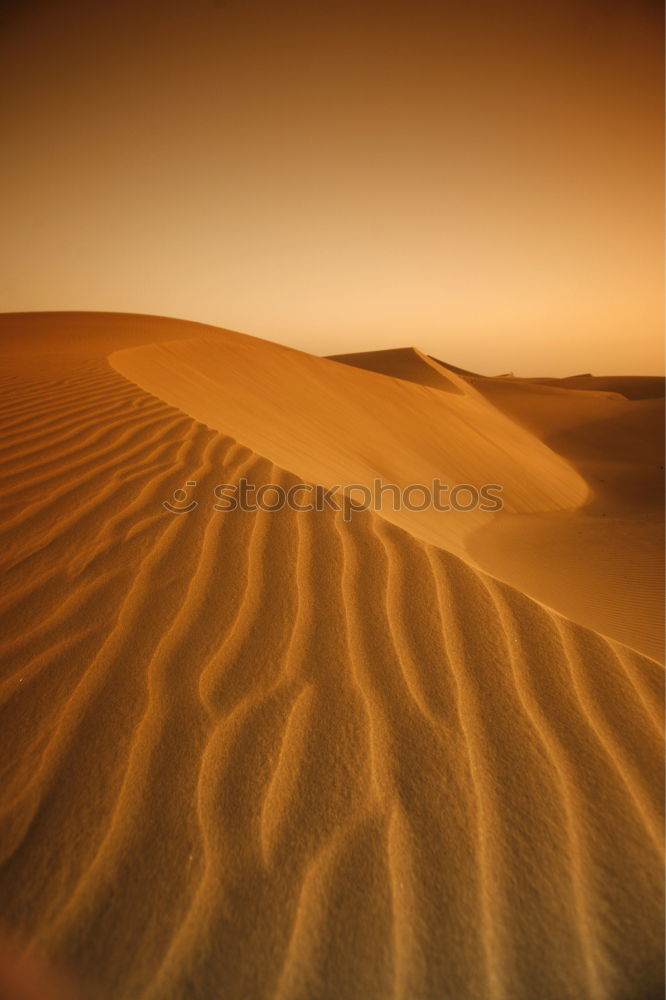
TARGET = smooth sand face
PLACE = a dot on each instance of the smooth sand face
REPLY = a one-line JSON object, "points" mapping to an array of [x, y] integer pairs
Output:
{"points": [[602, 564], [333, 423], [281, 755]]}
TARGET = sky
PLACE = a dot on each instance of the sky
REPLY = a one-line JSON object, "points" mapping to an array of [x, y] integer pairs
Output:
{"points": [[483, 180]]}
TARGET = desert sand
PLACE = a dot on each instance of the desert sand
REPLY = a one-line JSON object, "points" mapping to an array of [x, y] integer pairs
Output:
{"points": [[414, 755]]}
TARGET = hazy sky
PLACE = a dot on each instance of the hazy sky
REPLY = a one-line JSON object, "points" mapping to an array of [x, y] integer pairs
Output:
{"points": [[480, 179]]}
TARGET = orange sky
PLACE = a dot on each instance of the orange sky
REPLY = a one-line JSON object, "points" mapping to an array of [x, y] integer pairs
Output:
{"points": [[482, 179]]}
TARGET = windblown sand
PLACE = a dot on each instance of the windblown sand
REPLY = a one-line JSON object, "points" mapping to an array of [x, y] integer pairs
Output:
{"points": [[417, 755]]}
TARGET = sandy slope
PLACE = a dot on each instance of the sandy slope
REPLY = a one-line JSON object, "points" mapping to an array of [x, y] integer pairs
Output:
{"points": [[602, 563], [331, 423], [613, 547], [277, 755]]}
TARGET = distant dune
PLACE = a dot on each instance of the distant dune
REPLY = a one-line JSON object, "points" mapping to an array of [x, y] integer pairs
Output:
{"points": [[418, 754], [406, 363], [630, 386]]}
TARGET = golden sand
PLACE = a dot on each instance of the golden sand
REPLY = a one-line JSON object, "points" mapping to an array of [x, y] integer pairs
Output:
{"points": [[416, 755]]}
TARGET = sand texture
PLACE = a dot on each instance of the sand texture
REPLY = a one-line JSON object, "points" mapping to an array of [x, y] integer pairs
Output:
{"points": [[413, 756]]}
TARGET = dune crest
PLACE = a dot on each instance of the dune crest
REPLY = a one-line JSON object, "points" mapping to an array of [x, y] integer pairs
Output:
{"points": [[407, 363], [346, 425]]}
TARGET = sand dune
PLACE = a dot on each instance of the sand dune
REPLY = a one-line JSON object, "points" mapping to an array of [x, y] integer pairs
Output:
{"points": [[614, 545], [280, 755], [408, 364], [343, 424], [611, 430], [630, 386]]}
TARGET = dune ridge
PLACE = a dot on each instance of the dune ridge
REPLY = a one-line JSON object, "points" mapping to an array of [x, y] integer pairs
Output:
{"points": [[611, 431], [348, 425], [281, 755], [407, 363]]}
